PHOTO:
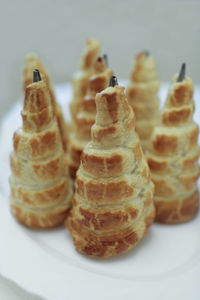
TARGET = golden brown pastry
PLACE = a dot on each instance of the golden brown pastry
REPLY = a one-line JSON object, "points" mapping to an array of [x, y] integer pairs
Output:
{"points": [[80, 79], [173, 156], [113, 203], [85, 117], [33, 62], [41, 189], [142, 96]]}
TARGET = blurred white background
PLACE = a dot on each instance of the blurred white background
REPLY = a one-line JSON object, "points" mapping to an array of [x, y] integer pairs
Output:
{"points": [[57, 30]]}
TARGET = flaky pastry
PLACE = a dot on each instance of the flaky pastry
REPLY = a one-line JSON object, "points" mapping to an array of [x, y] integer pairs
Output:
{"points": [[81, 131], [142, 96], [173, 156], [41, 189], [80, 79], [113, 202], [32, 62]]}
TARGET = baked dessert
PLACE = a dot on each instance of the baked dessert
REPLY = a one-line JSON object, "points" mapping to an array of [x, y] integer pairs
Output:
{"points": [[32, 62], [173, 156], [113, 202], [142, 96], [41, 189], [80, 79], [81, 131]]}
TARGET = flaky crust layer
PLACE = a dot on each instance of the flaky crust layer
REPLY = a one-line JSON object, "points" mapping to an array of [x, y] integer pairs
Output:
{"points": [[173, 157], [32, 62], [45, 219], [177, 210], [142, 96], [113, 202], [41, 190], [86, 112], [107, 245], [80, 79]]}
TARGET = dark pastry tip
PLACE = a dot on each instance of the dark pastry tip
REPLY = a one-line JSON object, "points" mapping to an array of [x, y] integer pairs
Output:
{"points": [[105, 56], [181, 75], [36, 75], [99, 59], [182, 72], [113, 81]]}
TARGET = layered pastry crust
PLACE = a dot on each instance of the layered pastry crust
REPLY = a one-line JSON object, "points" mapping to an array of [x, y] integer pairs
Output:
{"points": [[80, 79], [86, 113], [142, 96], [41, 189], [33, 62], [173, 157], [113, 202]]}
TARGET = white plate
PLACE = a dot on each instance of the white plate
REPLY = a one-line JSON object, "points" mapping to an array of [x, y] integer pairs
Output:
{"points": [[165, 264]]}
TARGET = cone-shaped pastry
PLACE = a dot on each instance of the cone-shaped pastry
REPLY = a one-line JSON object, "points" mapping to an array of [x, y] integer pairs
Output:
{"points": [[142, 96], [173, 156], [41, 190], [80, 79], [85, 118], [113, 203], [33, 62]]}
